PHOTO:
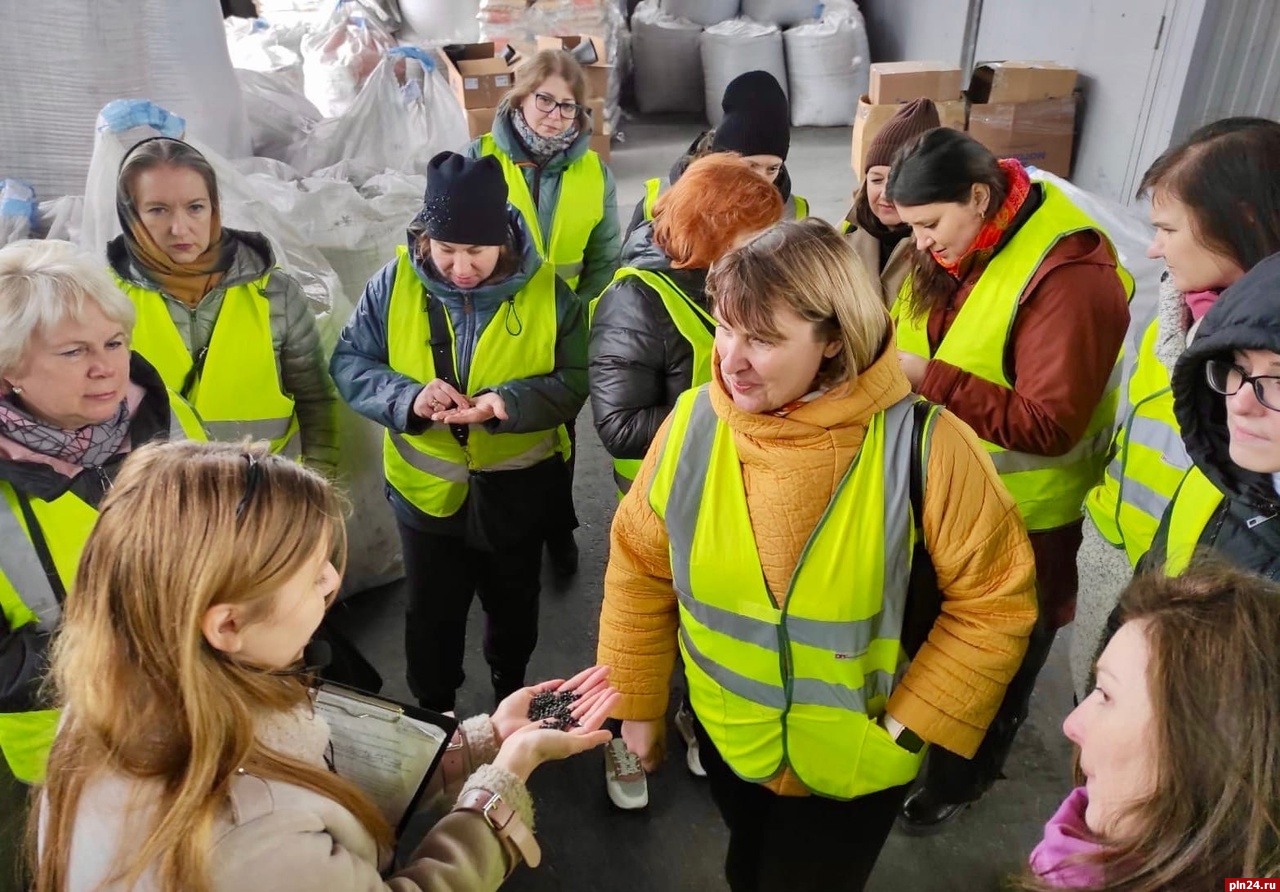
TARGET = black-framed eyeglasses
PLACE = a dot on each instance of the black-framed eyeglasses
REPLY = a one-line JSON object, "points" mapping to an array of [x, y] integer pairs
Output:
{"points": [[546, 103], [1227, 378], [253, 477]]}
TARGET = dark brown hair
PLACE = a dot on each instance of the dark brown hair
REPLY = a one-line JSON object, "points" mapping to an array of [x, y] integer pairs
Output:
{"points": [[941, 165], [1228, 175], [1214, 680]]}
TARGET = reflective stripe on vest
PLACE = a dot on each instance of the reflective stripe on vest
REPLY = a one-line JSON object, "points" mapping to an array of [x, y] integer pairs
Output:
{"points": [[1192, 508], [801, 686], [579, 209], [238, 392], [1149, 459], [795, 208], [1049, 490], [694, 324], [27, 596], [430, 469]]}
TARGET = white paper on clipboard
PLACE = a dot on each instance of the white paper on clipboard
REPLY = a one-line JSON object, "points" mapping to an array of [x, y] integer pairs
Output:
{"points": [[384, 752]]}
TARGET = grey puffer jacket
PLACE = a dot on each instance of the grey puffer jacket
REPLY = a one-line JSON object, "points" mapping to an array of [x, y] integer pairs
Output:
{"points": [[299, 354], [600, 259], [371, 387], [638, 359], [1103, 568]]}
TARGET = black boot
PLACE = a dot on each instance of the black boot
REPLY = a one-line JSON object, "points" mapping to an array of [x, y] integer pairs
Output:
{"points": [[505, 684], [924, 813], [562, 549]]}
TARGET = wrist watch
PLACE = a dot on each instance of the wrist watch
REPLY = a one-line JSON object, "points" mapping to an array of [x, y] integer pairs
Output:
{"points": [[504, 821], [902, 735]]}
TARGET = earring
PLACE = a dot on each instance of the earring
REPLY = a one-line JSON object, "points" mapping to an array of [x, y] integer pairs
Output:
{"points": [[16, 389]]}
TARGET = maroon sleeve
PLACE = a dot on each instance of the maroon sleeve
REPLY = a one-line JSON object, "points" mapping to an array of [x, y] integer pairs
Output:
{"points": [[1066, 337]]}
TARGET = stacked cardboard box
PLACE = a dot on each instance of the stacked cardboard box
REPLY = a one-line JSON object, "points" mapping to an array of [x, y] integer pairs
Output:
{"points": [[1025, 110], [896, 83]]}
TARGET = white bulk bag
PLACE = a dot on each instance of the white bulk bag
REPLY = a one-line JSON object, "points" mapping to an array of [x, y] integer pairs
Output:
{"points": [[279, 114], [783, 13], [61, 218], [668, 61], [703, 12], [440, 21], [736, 47], [255, 45], [389, 127], [340, 56], [828, 67], [17, 210]]}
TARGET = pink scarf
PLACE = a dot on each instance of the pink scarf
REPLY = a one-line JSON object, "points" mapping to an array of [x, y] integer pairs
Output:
{"points": [[1067, 839]]}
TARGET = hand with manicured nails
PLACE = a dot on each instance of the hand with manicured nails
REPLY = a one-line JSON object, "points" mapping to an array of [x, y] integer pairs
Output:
{"points": [[436, 398], [482, 408], [648, 740]]}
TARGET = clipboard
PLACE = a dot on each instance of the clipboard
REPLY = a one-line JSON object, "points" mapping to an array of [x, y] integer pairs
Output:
{"points": [[388, 749]]}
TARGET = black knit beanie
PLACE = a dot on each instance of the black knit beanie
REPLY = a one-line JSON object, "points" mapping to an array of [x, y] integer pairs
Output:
{"points": [[910, 121], [466, 200], [757, 117]]}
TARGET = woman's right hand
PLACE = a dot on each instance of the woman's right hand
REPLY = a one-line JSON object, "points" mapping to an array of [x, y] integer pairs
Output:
{"points": [[648, 740], [526, 748], [437, 396]]}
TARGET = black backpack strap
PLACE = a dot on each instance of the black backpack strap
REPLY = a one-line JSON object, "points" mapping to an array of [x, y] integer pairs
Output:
{"points": [[924, 598], [41, 547], [441, 345]]}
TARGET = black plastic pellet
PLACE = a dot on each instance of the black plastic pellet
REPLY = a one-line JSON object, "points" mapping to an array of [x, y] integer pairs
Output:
{"points": [[554, 709]]}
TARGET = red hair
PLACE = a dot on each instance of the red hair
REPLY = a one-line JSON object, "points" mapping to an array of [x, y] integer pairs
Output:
{"points": [[718, 200]]}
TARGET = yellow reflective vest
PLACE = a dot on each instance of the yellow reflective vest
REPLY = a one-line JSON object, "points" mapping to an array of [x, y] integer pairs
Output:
{"points": [[1148, 459], [1049, 489], [431, 470], [579, 209], [27, 596], [1193, 506], [695, 325], [802, 686], [235, 383], [795, 208]]}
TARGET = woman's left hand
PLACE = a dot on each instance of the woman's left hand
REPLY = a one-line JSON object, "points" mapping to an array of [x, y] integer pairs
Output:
{"points": [[483, 407], [591, 686], [913, 367]]}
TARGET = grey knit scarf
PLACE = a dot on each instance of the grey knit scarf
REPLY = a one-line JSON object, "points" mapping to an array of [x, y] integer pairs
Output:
{"points": [[542, 148]]}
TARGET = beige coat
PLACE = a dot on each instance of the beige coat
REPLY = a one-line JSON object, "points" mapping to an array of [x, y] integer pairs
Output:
{"points": [[273, 835], [895, 271]]}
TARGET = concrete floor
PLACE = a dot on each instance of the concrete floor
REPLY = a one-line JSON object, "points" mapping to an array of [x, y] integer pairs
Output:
{"points": [[678, 843]]}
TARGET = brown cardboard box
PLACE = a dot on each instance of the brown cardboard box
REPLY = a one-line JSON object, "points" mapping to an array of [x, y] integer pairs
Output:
{"points": [[601, 134], [894, 82], [479, 79], [872, 118], [597, 72], [1021, 82], [600, 145], [480, 121], [1036, 133]]}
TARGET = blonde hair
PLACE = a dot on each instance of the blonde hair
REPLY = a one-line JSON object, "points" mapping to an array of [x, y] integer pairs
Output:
{"points": [[43, 283], [549, 63], [185, 527], [809, 267]]}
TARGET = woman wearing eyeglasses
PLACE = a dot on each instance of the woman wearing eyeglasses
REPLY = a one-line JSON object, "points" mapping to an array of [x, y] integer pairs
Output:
{"points": [[1226, 389], [542, 136]]}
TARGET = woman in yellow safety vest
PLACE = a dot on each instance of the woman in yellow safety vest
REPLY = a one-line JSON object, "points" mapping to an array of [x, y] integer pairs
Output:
{"points": [[873, 226], [74, 402], [651, 339], [224, 326], [472, 353], [757, 126], [781, 535], [1226, 390], [542, 137], [1215, 203], [1013, 318]]}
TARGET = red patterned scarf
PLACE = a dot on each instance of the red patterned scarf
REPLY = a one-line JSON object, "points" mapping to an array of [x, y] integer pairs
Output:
{"points": [[1019, 187]]}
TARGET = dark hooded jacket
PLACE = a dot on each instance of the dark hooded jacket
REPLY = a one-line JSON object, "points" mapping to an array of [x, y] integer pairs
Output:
{"points": [[1245, 529], [639, 362], [783, 182], [367, 382]]}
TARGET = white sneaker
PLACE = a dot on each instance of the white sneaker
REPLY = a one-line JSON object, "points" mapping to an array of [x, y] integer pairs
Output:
{"points": [[684, 725], [624, 776]]}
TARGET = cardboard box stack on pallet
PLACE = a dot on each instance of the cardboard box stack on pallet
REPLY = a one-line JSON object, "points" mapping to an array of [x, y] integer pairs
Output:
{"points": [[895, 83], [480, 78], [1023, 110]]}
